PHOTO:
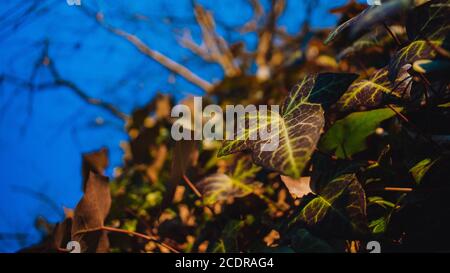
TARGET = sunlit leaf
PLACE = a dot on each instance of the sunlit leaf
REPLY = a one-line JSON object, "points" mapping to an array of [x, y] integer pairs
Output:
{"points": [[369, 93], [356, 206], [444, 105], [419, 170], [380, 201], [346, 25], [378, 226], [345, 186], [300, 123], [297, 187], [348, 135], [415, 51], [220, 187]]}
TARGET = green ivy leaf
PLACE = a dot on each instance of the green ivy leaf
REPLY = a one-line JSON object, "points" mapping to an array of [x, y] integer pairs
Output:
{"points": [[348, 135], [344, 186], [300, 123], [378, 225], [429, 21], [369, 93], [346, 25], [378, 38], [220, 187], [417, 50], [444, 105], [420, 169], [380, 201]]}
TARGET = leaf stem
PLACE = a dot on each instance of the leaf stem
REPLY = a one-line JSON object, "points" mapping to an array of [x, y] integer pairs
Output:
{"points": [[398, 189], [192, 186], [397, 41]]}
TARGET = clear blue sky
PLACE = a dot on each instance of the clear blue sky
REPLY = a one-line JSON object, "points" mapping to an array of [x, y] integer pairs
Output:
{"points": [[44, 133]]}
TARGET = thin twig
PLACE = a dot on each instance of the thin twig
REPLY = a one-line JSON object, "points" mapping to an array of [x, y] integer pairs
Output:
{"points": [[439, 50], [192, 186], [398, 189], [131, 233], [197, 192], [397, 41]]}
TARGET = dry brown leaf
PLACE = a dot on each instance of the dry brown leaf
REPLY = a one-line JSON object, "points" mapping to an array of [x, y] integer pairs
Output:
{"points": [[297, 187]]}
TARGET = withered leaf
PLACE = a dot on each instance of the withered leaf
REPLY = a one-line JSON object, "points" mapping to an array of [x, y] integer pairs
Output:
{"points": [[184, 155], [297, 187], [96, 161], [90, 214]]}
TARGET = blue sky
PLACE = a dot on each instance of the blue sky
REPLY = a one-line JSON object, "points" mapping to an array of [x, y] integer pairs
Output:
{"points": [[44, 133]]}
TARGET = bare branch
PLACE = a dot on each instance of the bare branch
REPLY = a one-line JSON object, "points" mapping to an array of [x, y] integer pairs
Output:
{"points": [[258, 13], [155, 55], [215, 48], [200, 50], [58, 81]]}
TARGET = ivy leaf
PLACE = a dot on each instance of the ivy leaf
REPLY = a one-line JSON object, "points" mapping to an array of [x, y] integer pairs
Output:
{"points": [[348, 135], [346, 25], [90, 214], [356, 207], [420, 169], [343, 187], [300, 123], [220, 187], [369, 93], [372, 16], [380, 14], [429, 21], [444, 105], [417, 50], [380, 201], [378, 38], [378, 225], [329, 87]]}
